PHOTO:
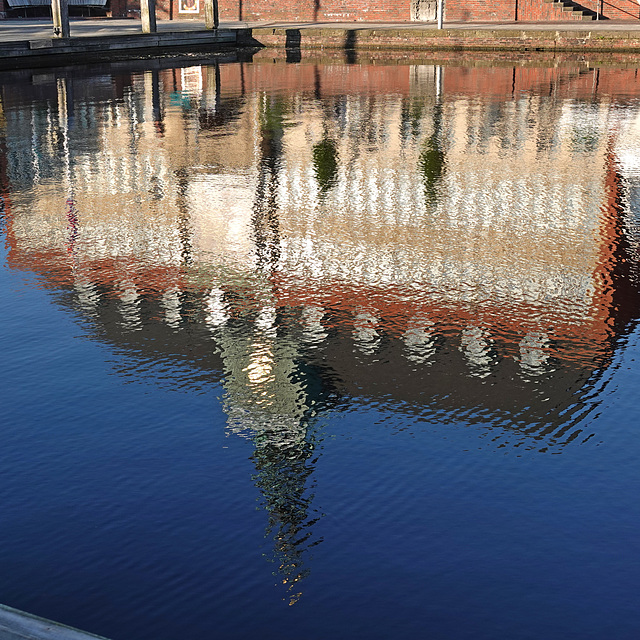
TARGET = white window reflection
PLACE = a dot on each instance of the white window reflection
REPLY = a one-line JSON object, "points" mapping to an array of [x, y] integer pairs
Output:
{"points": [[419, 340], [313, 331], [534, 353], [477, 348], [266, 320], [365, 336], [217, 313], [130, 307], [170, 302]]}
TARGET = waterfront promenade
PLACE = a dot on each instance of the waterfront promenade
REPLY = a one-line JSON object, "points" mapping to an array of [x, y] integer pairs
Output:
{"points": [[16, 30], [30, 42]]}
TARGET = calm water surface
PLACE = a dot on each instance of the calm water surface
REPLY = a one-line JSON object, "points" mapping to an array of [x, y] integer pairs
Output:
{"points": [[310, 351]]}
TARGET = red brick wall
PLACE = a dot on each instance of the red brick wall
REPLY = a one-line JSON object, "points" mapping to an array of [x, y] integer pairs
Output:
{"points": [[312, 10], [480, 10], [382, 10], [535, 10], [288, 10], [165, 10], [619, 9], [116, 8], [3, 8], [541, 11]]}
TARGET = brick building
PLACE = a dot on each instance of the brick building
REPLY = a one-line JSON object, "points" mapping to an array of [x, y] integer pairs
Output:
{"points": [[357, 10]]}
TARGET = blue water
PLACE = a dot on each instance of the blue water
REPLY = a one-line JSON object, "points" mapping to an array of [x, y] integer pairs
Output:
{"points": [[159, 480]]}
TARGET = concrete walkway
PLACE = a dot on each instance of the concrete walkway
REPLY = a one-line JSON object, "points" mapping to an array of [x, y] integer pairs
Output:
{"points": [[17, 625], [30, 42], [16, 30]]}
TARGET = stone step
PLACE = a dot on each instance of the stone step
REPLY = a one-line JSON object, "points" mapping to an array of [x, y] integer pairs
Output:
{"points": [[568, 6]]}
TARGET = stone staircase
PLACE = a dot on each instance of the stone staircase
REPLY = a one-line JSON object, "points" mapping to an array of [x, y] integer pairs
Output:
{"points": [[574, 10]]}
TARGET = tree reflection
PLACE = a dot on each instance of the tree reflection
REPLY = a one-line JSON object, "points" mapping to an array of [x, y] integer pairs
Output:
{"points": [[282, 476], [432, 158], [325, 163]]}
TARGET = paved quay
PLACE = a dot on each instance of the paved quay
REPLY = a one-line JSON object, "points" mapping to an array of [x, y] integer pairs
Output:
{"points": [[30, 42], [31, 29], [18, 625]]}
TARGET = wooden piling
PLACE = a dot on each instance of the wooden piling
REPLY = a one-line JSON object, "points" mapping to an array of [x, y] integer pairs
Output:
{"points": [[148, 15], [211, 17], [60, 13]]}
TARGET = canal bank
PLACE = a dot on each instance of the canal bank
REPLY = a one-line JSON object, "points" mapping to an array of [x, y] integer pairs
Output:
{"points": [[30, 43]]}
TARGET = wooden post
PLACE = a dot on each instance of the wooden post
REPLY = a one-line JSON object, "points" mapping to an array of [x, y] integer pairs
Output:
{"points": [[60, 13], [148, 15], [211, 17]]}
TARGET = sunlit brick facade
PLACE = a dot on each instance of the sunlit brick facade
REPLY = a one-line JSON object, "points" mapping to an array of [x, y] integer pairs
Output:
{"points": [[355, 11]]}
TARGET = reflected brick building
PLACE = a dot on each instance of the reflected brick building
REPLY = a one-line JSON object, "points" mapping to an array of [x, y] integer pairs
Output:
{"points": [[416, 244], [485, 257]]}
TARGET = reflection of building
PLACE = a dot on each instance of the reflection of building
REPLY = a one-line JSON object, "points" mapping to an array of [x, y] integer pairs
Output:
{"points": [[481, 260], [522, 241], [493, 224]]}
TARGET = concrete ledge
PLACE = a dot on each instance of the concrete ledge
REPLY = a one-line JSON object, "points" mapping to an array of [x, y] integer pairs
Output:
{"points": [[50, 52], [452, 57], [94, 47], [40, 44], [17, 625], [457, 39]]}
